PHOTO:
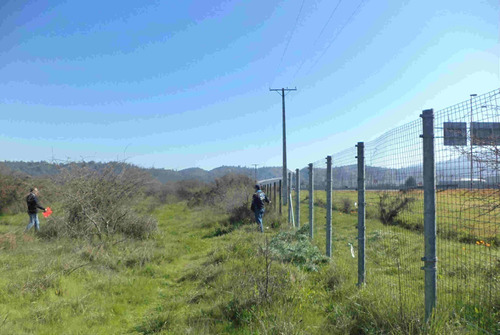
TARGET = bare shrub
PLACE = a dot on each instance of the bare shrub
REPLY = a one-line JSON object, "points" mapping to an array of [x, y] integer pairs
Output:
{"points": [[13, 188], [168, 193], [230, 194], [173, 191], [391, 206], [241, 214], [101, 203], [138, 227], [192, 190], [233, 195], [346, 205], [320, 203], [52, 228]]}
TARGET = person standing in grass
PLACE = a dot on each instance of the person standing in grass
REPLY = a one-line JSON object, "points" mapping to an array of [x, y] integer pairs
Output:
{"points": [[33, 206], [258, 200]]}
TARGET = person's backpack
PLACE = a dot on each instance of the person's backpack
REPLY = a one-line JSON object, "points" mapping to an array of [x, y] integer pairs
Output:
{"points": [[30, 199]]}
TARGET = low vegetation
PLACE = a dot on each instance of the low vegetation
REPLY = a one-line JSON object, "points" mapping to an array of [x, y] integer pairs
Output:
{"points": [[125, 255]]}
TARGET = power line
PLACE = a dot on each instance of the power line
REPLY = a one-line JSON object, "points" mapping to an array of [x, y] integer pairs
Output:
{"points": [[317, 38], [336, 36], [290, 38], [328, 21]]}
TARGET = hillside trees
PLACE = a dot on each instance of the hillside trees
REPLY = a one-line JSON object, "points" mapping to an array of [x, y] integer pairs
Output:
{"points": [[410, 182], [13, 188]]}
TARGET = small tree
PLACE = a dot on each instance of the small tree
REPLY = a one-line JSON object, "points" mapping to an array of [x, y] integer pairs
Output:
{"points": [[410, 182]]}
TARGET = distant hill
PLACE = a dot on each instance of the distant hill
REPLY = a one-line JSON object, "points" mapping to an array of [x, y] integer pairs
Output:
{"points": [[37, 169], [164, 175], [343, 177]]}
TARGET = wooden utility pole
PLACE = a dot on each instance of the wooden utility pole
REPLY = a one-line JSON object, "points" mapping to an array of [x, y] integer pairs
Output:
{"points": [[281, 91], [255, 169]]}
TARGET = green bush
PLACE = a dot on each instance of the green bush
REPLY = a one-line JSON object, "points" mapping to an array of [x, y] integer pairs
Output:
{"points": [[295, 247]]}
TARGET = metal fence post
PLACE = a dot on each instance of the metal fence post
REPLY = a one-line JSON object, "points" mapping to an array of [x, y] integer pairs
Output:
{"points": [[297, 198], [280, 194], [311, 200], [288, 194], [361, 213], [430, 257], [329, 206], [274, 196]]}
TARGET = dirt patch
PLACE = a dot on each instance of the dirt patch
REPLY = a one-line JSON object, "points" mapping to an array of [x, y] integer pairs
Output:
{"points": [[8, 241]]}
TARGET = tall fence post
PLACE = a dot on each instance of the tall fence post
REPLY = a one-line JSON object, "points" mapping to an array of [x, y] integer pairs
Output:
{"points": [[288, 194], [297, 198], [280, 194], [274, 196], [430, 257], [311, 200], [329, 206], [361, 213]]}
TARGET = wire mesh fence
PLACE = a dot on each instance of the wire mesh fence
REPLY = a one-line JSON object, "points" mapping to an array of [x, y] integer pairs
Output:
{"points": [[468, 206], [465, 187], [395, 204]]}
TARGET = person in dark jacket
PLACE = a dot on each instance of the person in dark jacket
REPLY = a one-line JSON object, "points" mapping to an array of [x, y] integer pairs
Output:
{"points": [[258, 200], [33, 206]]}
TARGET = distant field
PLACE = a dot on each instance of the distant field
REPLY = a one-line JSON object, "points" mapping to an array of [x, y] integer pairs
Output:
{"points": [[463, 215]]}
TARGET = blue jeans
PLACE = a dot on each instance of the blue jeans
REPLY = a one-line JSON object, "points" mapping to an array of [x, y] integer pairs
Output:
{"points": [[258, 218], [33, 221]]}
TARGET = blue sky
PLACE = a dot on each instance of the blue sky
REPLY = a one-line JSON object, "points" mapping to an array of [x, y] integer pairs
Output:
{"points": [[178, 84]]}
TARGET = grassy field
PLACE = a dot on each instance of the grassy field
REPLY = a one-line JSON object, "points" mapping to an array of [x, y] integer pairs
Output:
{"points": [[195, 276], [462, 214], [468, 269]]}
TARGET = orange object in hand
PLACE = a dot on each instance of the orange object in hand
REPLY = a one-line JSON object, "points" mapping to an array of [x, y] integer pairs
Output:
{"points": [[47, 212]]}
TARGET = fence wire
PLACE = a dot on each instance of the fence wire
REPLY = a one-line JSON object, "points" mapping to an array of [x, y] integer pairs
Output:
{"points": [[468, 205], [393, 177]]}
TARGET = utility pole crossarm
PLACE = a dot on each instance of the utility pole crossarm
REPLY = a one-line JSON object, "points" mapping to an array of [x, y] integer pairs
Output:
{"points": [[282, 89]]}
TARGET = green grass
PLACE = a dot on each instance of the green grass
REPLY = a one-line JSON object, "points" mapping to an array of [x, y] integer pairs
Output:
{"points": [[188, 280], [462, 215], [468, 274]]}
